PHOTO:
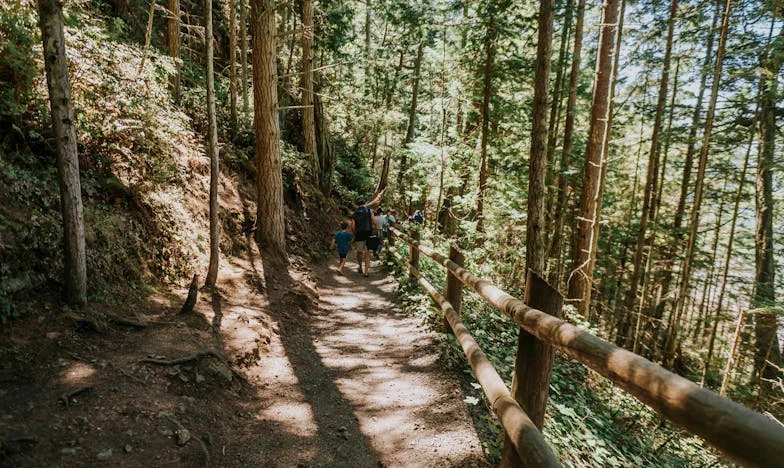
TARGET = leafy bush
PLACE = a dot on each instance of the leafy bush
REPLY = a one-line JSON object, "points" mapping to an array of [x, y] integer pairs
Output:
{"points": [[18, 35]]}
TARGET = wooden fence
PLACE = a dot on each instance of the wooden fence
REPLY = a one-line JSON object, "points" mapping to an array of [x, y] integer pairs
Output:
{"points": [[744, 436]]}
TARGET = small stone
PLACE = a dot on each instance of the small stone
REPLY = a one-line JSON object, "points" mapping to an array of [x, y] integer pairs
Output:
{"points": [[184, 378], [128, 448], [53, 335], [199, 378], [69, 451], [105, 455], [183, 436]]}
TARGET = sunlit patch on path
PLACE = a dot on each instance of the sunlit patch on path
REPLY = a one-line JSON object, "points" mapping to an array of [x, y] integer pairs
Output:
{"points": [[385, 364]]}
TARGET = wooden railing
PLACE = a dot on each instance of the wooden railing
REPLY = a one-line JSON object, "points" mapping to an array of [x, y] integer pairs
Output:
{"points": [[743, 435]]}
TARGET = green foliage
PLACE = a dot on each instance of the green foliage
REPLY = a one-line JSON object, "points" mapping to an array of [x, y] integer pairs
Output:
{"points": [[18, 68], [589, 421]]}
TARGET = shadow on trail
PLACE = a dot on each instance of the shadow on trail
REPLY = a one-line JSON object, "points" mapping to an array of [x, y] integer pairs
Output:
{"points": [[339, 440]]}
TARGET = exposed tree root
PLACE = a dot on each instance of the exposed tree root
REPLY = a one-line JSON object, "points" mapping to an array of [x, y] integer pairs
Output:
{"points": [[183, 360], [65, 398], [184, 436]]}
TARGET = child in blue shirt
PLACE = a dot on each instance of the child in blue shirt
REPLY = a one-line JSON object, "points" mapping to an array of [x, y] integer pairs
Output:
{"points": [[343, 240]]}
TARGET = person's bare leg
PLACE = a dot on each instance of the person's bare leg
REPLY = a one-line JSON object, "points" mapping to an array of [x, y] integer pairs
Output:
{"points": [[340, 267], [359, 260], [367, 262]]}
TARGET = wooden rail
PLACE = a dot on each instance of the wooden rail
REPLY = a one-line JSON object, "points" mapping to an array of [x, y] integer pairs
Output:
{"points": [[520, 430], [743, 435]]}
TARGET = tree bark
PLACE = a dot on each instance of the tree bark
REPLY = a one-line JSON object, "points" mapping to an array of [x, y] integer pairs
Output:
{"points": [[412, 111], [64, 122], [568, 143], [212, 151], [244, 52], [535, 250], [324, 148], [233, 63], [491, 36], [694, 219], [767, 356], [270, 223], [308, 111], [148, 35], [731, 358], [174, 46], [555, 115], [698, 332], [581, 278]]}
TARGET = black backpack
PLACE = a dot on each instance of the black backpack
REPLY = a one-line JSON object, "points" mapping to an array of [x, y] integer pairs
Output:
{"points": [[362, 222]]}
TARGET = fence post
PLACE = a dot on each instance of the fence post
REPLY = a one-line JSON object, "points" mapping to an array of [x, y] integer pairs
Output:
{"points": [[454, 288], [533, 362], [414, 253]]}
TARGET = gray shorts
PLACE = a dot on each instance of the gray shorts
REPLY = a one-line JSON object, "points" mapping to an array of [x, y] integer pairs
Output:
{"points": [[360, 246]]}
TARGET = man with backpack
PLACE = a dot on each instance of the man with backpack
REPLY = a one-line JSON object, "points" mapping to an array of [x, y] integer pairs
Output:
{"points": [[363, 226]]}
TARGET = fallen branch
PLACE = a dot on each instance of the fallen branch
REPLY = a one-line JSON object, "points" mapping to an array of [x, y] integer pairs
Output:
{"points": [[66, 397]]}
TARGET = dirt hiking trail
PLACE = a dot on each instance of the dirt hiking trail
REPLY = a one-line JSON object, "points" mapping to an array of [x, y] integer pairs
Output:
{"points": [[304, 367], [361, 383]]}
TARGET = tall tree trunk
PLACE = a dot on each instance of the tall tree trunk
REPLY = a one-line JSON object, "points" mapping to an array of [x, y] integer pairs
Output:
{"points": [[270, 223], [728, 258], [649, 262], [694, 219], [324, 148], [581, 278], [233, 63], [212, 151], [648, 203], [731, 358], [491, 37], [64, 122], [148, 34], [244, 52], [688, 164], [174, 46], [698, 333], [308, 111], [606, 145], [767, 356], [412, 111], [568, 143], [535, 250], [555, 113]]}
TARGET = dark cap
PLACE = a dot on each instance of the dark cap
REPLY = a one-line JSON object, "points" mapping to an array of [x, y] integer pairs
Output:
{"points": [[360, 200]]}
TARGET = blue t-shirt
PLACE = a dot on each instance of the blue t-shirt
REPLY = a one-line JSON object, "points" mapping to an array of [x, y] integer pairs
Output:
{"points": [[343, 239]]}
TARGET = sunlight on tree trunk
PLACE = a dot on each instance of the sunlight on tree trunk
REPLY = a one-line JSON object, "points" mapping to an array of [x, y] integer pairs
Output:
{"points": [[212, 152], [64, 123], [270, 224], [581, 279]]}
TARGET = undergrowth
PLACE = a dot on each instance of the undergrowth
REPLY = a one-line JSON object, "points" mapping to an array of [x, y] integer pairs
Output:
{"points": [[589, 421]]}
